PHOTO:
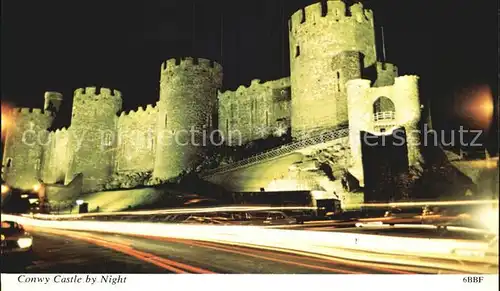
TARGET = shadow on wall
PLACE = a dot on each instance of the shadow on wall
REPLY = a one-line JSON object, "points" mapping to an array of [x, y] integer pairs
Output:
{"points": [[57, 192], [197, 194], [440, 179]]}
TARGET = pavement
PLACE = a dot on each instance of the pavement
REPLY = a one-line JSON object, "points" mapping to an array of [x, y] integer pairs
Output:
{"points": [[62, 251]]}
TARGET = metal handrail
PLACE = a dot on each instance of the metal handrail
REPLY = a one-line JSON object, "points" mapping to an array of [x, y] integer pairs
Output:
{"points": [[282, 150], [384, 115]]}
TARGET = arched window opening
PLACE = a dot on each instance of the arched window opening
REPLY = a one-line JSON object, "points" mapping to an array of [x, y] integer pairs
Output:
{"points": [[383, 109]]}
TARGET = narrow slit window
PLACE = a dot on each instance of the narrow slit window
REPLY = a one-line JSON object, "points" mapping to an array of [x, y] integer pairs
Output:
{"points": [[338, 81], [297, 51], [151, 143], [108, 139], [37, 164]]}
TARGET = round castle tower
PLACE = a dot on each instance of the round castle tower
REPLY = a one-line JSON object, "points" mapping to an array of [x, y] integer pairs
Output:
{"points": [[188, 96], [92, 135], [24, 147], [329, 44]]}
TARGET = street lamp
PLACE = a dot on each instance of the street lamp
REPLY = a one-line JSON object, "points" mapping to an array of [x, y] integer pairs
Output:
{"points": [[5, 189], [36, 187], [79, 202]]}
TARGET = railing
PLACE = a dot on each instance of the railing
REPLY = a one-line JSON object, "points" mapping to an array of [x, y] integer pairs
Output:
{"points": [[280, 151], [384, 115]]}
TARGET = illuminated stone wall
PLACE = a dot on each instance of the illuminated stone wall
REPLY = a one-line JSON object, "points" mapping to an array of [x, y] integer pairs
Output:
{"points": [[92, 136], [55, 157], [386, 73], [332, 52], [136, 147], [254, 112], [188, 96], [24, 147], [404, 96], [317, 34]]}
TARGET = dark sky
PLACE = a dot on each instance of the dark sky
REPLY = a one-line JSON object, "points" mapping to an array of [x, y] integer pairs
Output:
{"points": [[62, 45]]}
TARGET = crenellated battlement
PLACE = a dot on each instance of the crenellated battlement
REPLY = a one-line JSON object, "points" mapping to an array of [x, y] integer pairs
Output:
{"points": [[35, 112], [61, 130], [191, 63], [140, 112], [386, 67], [97, 92], [331, 11], [96, 98], [406, 78], [256, 84]]}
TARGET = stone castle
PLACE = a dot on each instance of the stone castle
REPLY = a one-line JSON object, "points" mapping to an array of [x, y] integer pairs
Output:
{"points": [[336, 80]]}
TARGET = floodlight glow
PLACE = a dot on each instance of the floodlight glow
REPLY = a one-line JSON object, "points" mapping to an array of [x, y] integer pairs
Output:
{"points": [[36, 187]]}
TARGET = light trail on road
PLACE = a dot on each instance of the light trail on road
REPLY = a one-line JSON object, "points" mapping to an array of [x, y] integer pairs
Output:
{"points": [[277, 254], [174, 211], [250, 208], [429, 203], [439, 253], [170, 265]]}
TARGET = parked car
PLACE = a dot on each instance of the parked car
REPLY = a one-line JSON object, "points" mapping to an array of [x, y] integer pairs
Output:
{"points": [[14, 239], [271, 218]]}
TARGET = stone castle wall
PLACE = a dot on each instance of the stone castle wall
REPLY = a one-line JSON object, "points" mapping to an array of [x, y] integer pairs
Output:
{"points": [[386, 74], [136, 144], [317, 34], [55, 157], [332, 48], [92, 135], [24, 147], [403, 111], [188, 96], [257, 111]]}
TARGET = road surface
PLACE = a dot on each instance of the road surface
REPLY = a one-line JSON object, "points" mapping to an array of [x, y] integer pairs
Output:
{"points": [[61, 251]]}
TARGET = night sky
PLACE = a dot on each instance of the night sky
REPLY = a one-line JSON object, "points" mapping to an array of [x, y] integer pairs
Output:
{"points": [[63, 45]]}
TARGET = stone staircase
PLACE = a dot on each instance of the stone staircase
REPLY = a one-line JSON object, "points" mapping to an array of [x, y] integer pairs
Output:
{"points": [[280, 151]]}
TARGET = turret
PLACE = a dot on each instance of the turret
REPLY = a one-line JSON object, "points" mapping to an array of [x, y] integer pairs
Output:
{"points": [[53, 101], [92, 135], [25, 142], [188, 96], [330, 44], [380, 111]]}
